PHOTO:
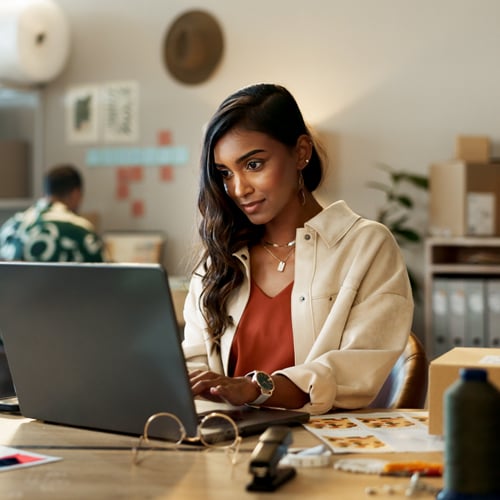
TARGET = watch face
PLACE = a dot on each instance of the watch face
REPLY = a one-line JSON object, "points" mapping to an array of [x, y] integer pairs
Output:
{"points": [[265, 381]]}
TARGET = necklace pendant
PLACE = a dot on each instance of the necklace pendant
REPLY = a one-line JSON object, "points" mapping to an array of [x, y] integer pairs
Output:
{"points": [[281, 266]]}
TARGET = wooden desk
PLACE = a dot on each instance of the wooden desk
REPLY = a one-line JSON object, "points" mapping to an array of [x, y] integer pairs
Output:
{"points": [[105, 474]]}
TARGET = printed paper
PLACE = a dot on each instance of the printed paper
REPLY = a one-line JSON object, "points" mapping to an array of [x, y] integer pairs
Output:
{"points": [[375, 432]]}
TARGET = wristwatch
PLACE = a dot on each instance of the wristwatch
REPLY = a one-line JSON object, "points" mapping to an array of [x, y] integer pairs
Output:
{"points": [[264, 383]]}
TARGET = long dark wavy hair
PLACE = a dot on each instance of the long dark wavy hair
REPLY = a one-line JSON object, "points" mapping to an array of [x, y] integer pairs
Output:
{"points": [[224, 228]]}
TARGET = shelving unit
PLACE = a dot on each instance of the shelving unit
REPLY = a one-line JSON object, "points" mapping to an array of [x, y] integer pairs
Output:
{"points": [[464, 258], [21, 118]]}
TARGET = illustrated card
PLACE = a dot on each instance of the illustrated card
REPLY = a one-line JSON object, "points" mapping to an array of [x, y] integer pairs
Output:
{"points": [[375, 432]]}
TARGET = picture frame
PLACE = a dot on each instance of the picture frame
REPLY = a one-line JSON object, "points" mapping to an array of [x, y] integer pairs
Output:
{"points": [[82, 123], [121, 108]]}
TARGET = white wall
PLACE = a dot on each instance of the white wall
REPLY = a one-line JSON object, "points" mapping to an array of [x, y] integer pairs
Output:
{"points": [[389, 81]]}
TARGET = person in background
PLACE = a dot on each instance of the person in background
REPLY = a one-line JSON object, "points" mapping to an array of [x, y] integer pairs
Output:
{"points": [[292, 304], [51, 230]]}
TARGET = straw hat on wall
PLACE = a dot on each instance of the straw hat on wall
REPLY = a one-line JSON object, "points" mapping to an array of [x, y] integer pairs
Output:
{"points": [[193, 47]]}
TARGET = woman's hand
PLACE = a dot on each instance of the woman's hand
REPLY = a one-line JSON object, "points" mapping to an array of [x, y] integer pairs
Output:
{"points": [[241, 390], [215, 387]]}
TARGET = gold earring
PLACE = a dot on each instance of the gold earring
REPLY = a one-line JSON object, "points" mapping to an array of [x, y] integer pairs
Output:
{"points": [[301, 191]]}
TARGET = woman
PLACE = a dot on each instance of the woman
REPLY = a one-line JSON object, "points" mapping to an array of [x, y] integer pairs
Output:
{"points": [[293, 305]]}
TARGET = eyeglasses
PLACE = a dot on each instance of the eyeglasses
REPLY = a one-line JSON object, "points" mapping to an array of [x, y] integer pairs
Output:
{"points": [[165, 431]]}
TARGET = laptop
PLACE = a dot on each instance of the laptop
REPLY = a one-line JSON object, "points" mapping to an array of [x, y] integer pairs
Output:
{"points": [[98, 346]]}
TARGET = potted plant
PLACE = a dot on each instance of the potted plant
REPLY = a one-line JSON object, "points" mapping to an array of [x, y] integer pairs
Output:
{"points": [[396, 210]]}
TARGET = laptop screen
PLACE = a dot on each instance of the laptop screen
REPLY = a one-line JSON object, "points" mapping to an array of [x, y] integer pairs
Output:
{"points": [[94, 345]]}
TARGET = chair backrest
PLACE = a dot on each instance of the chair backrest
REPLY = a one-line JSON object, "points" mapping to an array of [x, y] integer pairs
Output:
{"points": [[406, 385]]}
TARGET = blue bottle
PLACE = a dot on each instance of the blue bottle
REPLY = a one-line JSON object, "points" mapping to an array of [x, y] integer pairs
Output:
{"points": [[472, 438]]}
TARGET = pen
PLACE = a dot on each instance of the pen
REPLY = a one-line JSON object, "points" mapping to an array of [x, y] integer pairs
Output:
{"points": [[431, 469]]}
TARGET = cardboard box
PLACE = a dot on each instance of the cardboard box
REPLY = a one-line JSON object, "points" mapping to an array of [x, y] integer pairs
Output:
{"points": [[14, 169], [444, 371], [473, 148], [464, 199], [134, 246]]}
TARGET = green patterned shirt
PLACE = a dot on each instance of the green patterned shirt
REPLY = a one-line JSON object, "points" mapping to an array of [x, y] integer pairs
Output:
{"points": [[50, 232]]}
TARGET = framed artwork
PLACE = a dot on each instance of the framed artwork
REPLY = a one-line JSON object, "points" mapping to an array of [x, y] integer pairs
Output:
{"points": [[81, 114], [121, 103]]}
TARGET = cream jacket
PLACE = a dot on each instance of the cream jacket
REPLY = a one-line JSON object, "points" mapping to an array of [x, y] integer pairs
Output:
{"points": [[352, 311]]}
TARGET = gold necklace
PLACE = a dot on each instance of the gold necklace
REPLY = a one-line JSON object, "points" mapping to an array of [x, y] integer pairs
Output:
{"points": [[277, 245], [282, 262]]}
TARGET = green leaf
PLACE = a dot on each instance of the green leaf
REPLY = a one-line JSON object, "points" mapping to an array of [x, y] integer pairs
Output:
{"points": [[396, 177], [384, 167], [396, 223], [404, 200], [383, 213], [379, 186], [419, 181], [407, 233]]}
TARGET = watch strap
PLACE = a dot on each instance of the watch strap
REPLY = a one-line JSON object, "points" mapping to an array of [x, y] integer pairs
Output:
{"points": [[262, 398]]}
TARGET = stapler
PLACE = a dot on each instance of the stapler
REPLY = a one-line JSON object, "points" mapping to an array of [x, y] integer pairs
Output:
{"points": [[271, 448]]}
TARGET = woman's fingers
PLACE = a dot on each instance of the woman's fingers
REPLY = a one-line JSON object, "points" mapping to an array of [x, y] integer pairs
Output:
{"points": [[216, 387]]}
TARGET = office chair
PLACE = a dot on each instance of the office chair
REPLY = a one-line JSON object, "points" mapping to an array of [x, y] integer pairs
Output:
{"points": [[406, 385]]}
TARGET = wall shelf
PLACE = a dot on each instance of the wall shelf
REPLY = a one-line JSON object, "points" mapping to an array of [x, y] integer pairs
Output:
{"points": [[21, 118], [450, 263]]}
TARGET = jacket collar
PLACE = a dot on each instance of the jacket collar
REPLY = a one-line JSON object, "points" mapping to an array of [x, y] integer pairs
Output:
{"points": [[333, 222]]}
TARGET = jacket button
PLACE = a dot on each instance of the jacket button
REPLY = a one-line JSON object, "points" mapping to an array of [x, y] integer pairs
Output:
{"points": [[307, 237], [302, 298]]}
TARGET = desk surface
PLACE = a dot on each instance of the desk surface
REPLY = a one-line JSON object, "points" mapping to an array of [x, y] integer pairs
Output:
{"points": [[99, 473]]}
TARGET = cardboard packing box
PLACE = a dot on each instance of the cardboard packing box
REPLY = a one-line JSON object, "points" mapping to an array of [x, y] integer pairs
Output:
{"points": [[444, 371], [473, 148], [464, 199], [14, 169]]}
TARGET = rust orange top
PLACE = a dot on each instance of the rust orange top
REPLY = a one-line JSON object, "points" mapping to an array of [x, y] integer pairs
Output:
{"points": [[264, 339]]}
